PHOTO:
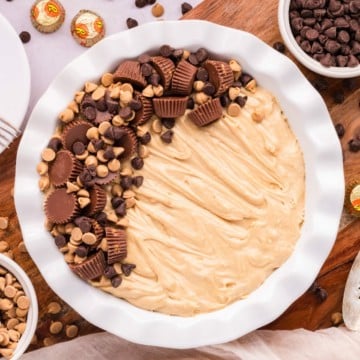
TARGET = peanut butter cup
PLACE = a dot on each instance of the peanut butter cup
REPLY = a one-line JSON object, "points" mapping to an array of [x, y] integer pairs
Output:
{"points": [[97, 201], [130, 71], [75, 132], [170, 107], [206, 113], [91, 268], [183, 78], [61, 207], [117, 247], [220, 75], [165, 67], [145, 112], [128, 141], [64, 168]]}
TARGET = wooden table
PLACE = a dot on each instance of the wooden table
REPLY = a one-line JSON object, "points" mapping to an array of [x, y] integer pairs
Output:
{"points": [[309, 311]]}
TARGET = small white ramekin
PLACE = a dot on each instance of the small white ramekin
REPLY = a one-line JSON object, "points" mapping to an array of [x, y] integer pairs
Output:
{"points": [[301, 56], [32, 317]]}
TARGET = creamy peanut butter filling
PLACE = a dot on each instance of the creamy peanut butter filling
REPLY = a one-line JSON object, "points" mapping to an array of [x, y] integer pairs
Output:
{"points": [[220, 209]]}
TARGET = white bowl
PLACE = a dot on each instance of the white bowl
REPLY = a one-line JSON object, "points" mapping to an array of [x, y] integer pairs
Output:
{"points": [[301, 56], [32, 317], [309, 119]]}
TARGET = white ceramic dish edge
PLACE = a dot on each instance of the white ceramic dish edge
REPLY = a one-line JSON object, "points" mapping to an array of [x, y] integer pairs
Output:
{"points": [[306, 60], [309, 119]]}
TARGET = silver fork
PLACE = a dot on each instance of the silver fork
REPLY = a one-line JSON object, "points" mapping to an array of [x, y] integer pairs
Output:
{"points": [[7, 134]]}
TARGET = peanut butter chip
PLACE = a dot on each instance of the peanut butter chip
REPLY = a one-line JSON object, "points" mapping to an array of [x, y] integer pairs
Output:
{"points": [[42, 168], [114, 165], [102, 171], [23, 302], [56, 327], [10, 291], [83, 202], [79, 96], [89, 238], [4, 222], [76, 234], [6, 304], [234, 109], [98, 93], [66, 115], [54, 308], [107, 79], [48, 154], [156, 126], [20, 327], [90, 87], [71, 331]]}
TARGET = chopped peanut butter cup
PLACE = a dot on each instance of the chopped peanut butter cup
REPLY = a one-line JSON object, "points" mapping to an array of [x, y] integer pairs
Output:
{"points": [[117, 247], [170, 107], [64, 168], [91, 268], [130, 71], [183, 78], [128, 141], [61, 207], [145, 112], [75, 132], [165, 67], [97, 229], [220, 75], [206, 113]]}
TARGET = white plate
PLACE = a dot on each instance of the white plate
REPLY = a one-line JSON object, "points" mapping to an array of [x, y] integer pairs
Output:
{"points": [[308, 118], [14, 79]]}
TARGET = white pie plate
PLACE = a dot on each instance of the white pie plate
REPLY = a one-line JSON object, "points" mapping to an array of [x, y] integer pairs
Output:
{"points": [[309, 120]]}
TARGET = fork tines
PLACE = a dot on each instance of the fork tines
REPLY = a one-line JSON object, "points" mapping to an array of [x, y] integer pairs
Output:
{"points": [[7, 133]]}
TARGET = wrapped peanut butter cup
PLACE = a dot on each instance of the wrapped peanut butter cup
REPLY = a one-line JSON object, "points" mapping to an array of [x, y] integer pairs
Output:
{"points": [[128, 141], [61, 207], [47, 15], [64, 168], [206, 113], [130, 71], [91, 268], [183, 78], [75, 132], [170, 107], [117, 247], [220, 75], [165, 67]]}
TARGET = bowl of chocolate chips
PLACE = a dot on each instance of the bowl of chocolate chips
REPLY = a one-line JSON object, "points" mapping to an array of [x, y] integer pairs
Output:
{"points": [[323, 35]]}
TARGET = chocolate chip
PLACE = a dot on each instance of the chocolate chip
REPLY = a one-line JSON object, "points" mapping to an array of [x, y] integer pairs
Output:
{"points": [[341, 60], [354, 145], [177, 54], [201, 54], [117, 201], [138, 180], [109, 153], [78, 148], [327, 60], [145, 139], [306, 46], [279, 46], [60, 241], [81, 251], [166, 50], [185, 7], [97, 144], [202, 74], [332, 46], [321, 294], [101, 105], [190, 103], [245, 78], [343, 37], [241, 100], [54, 144], [109, 272], [338, 97], [25, 37], [83, 223], [137, 163], [127, 268], [225, 100], [146, 69], [312, 34], [140, 3], [209, 89], [121, 210], [169, 123], [193, 60], [155, 79], [167, 136], [101, 218], [353, 61], [116, 281], [135, 104], [125, 113], [126, 182], [340, 130], [131, 23], [89, 113]]}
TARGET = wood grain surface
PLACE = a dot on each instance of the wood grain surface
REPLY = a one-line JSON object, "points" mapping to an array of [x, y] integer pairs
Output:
{"points": [[310, 311]]}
